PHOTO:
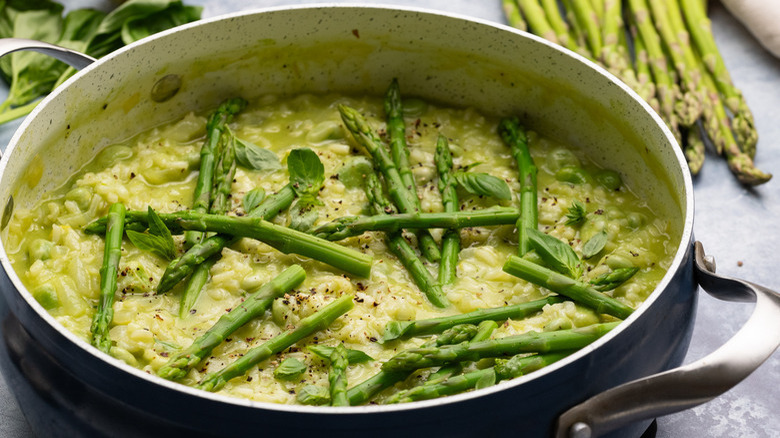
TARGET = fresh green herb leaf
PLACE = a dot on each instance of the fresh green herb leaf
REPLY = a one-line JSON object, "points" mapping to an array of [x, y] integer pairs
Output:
{"points": [[576, 214], [289, 369], [353, 356], [303, 213], [254, 157], [307, 174], [168, 346], [595, 244], [174, 15], [253, 198], [314, 395], [483, 184], [487, 380], [396, 329], [613, 279], [353, 173], [158, 241], [556, 254]]}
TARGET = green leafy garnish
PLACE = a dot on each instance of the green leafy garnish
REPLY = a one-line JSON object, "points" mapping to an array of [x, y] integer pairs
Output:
{"points": [[487, 380], [303, 214], [254, 157], [353, 356], [595, 244], [314, 395], [253, 198], [289, 369], [576, 213], [613, 279], [353, 172], [158, 241], [556, 254], [483, 184], [307, 174], [396, 329]]}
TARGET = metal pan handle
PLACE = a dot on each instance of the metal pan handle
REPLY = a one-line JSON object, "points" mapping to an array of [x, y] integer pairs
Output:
{"points": [[693, 384], [71, 57]]}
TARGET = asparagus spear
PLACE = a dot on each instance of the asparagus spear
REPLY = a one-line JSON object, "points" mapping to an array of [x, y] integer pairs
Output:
{"points": [[422, 327], [537, 20], [520, 365], [578, 291], [514, 135], [108, 272], [401, 248], [562, 30], [253, 306], [195, 257], [214, 127], [384, 379], [396, 130], [282, 238], [349, 226], [587, 19], [484, 331], [337, 377], [531, 342], [512, 13], [700, 29], [195, 284], [450, 241], [313, 323]]}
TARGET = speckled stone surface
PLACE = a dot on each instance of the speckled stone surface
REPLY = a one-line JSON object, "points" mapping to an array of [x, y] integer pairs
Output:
{"points": [[738, 226]]}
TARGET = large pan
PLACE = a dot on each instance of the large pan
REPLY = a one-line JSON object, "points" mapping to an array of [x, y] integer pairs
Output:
{"points": [[446, 58]]}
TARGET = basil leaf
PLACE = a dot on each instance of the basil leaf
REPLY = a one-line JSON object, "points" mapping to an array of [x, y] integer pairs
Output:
{"points": [[595, 244], [483, 184], [556, 254], [303, 214], [307, 174], [289, 369], [576, 214], [254, 157], [353, 356], [353, 173], [396, 329], [314, 395], [253, 198], [175, 15], [613, 279], [159, 240], [487, 380]]}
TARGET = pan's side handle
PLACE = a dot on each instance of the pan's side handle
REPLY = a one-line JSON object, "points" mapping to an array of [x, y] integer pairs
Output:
{"points": [[693, 384], [71, 57]]}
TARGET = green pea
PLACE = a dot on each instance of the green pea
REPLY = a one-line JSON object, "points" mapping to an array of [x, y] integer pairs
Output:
{"points": [[562, 157], [636, 220], [40, 249], [82, 196], [46, 296], [609, 179], [572, 174], [112, 154], [328, 130], [414, 107], [353, 173]]}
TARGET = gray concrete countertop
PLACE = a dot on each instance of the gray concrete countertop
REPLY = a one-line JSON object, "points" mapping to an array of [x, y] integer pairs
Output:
{"points": [[739, 226]]}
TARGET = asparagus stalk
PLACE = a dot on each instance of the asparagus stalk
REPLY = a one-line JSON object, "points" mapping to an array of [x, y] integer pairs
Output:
{"points": [[422, 327], [195, 284], [531, 342], [366, 390], [450, 241], [513, 16], [454, 385], [537, 20], [401, 248], [515, 137], [313, 323], [484, 331], [396, 130], [253, 306], [576, 290], [108, 272], [694, 149], [700, 29], [350, 226], [587, 20], [214, 127], [337, 377], [562, 30], [282, 238], [194, 258]]}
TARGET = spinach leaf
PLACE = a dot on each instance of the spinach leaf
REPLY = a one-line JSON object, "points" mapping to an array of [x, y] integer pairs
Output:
{"points": [[253, 198], [353, 356], [613, 279], [595, 244], [254, 157], [483, 184], [157, 241], [307, 174], [556, 254]]}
